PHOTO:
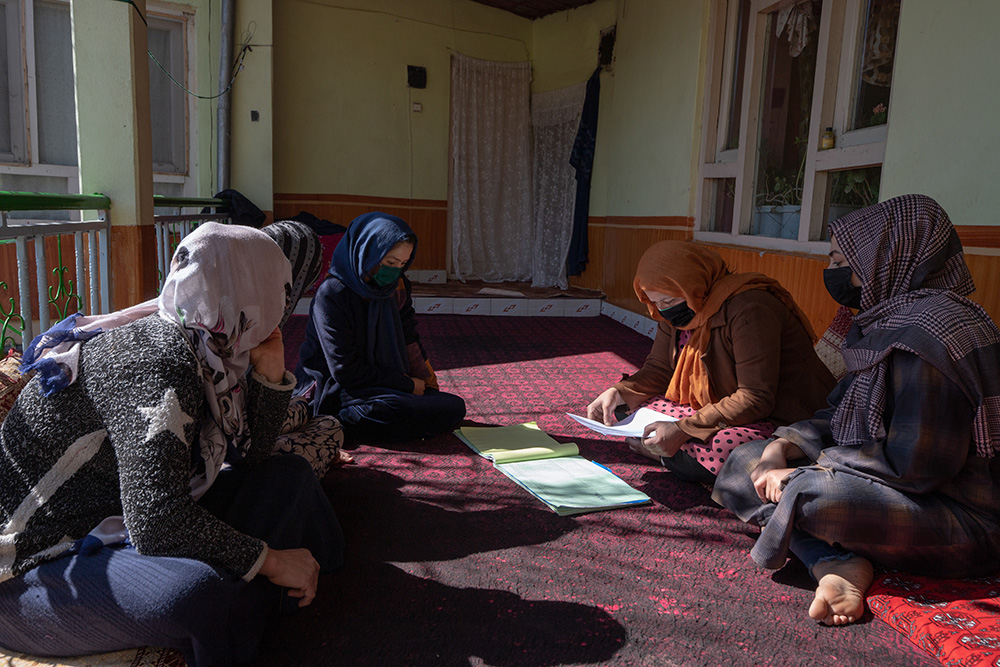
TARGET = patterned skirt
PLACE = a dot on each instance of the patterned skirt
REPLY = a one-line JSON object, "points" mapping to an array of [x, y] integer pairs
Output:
{"points": [[316, 439], [712, 454]]}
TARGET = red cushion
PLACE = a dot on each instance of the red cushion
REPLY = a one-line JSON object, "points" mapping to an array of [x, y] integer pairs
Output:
{"points": [[955, 620], [329, 242]]}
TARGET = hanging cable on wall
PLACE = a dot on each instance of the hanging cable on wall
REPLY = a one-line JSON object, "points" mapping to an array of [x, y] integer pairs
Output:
{"points": [[237, 66]]}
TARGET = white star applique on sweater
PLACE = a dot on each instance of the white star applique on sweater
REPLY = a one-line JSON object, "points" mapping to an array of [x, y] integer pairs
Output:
{"points": [[167, 416]]}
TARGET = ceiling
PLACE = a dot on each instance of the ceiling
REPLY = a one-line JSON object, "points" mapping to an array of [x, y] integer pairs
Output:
{"points": [[533, 9]]}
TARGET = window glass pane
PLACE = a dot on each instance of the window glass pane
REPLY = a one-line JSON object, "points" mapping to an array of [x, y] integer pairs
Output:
{"points": [[166, 99], [169, 190], [786, 107], [723, 199], [877, 53], [738, 68], [5, 143], [54, 84], [13, 106], [848, 191]]}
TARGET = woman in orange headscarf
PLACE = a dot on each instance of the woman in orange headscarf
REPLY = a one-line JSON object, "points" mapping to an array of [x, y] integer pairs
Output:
{"points": [[733, 358]]}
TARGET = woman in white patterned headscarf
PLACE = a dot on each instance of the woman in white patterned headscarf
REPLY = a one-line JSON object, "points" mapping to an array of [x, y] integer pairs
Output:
{"points": [[902, 468], [149, 460]]}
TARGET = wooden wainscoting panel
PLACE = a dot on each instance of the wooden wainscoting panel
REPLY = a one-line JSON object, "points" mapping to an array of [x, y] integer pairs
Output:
{"points": [[71, 279], [133, 265], [985, 271], [593, 273], [979, 236], [431, 228], [427, 217], [801, 275], [616, 244], [8, 275]]}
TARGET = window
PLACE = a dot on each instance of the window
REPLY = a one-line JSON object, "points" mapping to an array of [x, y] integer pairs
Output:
{"points": [[167, 100], [12, 126], [36, 77], [779, 75]]}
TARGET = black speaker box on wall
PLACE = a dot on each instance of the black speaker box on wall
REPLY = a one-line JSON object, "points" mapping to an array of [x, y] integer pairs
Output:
{"points": [[416, 77]]}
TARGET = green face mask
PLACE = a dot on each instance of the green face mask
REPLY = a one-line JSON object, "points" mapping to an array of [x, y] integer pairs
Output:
{"points": [[386, 275]]}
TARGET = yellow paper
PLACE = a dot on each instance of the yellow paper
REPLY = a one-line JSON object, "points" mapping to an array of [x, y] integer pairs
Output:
{"points": [[522, 442]]}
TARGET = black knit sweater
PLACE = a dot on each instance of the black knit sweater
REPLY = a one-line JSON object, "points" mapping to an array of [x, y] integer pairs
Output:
{"points": [[109, 444]]}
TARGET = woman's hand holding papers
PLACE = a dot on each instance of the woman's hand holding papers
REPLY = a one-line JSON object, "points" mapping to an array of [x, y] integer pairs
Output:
{"points": [[603, 407], [659, 439]]}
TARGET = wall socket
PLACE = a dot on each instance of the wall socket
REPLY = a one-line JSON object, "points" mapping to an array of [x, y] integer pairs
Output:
{"points": [[416, 107]]}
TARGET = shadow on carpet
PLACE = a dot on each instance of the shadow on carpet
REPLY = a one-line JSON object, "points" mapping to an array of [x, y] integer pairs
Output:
{"points": [[450, 563]]}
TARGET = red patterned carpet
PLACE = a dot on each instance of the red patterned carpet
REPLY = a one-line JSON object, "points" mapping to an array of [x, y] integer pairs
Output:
{"points": [[449, 563]]}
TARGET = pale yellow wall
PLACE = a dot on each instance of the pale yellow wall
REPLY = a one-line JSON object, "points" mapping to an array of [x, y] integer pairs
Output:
{"points": [[647, 131], [564, 45], [943, 139], [251, 152], [342, 118]]}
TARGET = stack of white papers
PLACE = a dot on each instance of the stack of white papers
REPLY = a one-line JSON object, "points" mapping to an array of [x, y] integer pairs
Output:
{"points": [[632, 426]]}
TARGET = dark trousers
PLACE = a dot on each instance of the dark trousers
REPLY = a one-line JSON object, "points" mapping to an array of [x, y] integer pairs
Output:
{"points": [[387, 414], [117, 598]]}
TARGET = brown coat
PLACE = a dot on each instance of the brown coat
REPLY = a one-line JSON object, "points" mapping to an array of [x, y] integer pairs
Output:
{"points": [[761, 365]]}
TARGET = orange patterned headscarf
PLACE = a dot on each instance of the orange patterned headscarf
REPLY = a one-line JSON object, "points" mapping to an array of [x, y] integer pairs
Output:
{"points": [[699, 275]]}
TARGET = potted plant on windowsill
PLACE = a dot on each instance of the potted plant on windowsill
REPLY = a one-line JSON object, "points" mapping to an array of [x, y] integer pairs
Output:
{"points": [[853, 189], [778, 205]]}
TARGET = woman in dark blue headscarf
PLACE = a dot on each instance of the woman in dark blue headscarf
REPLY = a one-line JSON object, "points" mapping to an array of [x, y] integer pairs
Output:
{"points": [[361, 359]]}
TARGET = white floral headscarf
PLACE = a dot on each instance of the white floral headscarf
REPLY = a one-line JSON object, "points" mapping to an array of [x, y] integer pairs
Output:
{"points": [[227, 289]]}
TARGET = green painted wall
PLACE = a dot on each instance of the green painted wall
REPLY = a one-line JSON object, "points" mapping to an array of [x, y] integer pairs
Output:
{"points": [[115, 150], [342, 109], [942, 137]]}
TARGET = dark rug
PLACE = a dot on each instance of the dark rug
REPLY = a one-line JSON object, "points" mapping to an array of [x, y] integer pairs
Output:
{"points": [[450, 563]]}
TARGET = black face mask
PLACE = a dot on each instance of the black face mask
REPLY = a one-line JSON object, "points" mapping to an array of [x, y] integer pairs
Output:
{"points": [[838, 284], [678, 315]]}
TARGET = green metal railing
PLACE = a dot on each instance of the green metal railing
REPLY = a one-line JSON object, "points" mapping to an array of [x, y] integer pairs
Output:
{"points": [[172, 227], [46, 201], [87, 288]]}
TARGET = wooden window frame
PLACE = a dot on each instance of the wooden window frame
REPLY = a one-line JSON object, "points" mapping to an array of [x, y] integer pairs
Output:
{"points": [[27, 101], [839, 35]]}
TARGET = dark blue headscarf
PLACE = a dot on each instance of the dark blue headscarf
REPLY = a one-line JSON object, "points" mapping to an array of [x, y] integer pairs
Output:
{"points": [[369, 237]]}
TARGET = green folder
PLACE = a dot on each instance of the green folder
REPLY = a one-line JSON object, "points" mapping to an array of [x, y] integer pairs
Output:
{"points": [[551, 471]]}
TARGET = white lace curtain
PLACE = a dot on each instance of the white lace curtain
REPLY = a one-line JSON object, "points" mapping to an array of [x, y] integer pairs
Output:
{"points": [[555, 118], [491, 201]]}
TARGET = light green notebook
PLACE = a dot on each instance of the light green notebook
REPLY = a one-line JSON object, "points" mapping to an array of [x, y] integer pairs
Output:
{"points": [[523, 442], [551, 471]]}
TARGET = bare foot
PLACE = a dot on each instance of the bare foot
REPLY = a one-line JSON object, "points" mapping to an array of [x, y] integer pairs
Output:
{"points": [[343, 458], [840, 595]]}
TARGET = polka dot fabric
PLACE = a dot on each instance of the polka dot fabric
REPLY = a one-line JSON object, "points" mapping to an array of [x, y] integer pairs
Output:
{"points": [[711, 455]]}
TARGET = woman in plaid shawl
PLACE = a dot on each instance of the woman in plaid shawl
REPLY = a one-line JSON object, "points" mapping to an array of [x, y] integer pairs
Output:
{"points": [[901, 468]]}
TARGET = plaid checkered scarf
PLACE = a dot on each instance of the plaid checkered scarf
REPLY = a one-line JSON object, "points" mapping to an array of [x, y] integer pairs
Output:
{"points": [[914, 283]]}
